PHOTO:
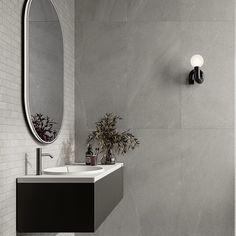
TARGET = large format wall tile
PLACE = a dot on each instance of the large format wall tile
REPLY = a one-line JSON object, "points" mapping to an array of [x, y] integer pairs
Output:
{"points": [[154, 177], [180, 180], [153, 98], [152, 10], [180, 10], [211, 104], [101, 10], [103, 68], [184, 183], [207, 183]]}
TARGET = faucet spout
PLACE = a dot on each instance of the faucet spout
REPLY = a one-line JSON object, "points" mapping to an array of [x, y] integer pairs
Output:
{"points": [[39, 155]]}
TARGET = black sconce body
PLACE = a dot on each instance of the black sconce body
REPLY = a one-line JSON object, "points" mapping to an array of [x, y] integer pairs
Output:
{"points": [[196, 75]]}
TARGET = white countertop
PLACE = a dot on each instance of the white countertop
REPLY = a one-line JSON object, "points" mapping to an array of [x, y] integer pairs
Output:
{"points": [[75, 178]]}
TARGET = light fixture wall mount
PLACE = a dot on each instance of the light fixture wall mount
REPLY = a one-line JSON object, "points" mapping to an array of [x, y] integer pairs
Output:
{"points": [[196, 75]]}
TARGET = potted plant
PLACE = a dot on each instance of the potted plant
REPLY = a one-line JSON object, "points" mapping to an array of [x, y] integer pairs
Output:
{"points": [[109, 140]]}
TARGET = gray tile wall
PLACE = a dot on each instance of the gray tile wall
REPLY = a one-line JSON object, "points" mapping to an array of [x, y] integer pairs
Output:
{"points": [[133, 58], [15, 139]]}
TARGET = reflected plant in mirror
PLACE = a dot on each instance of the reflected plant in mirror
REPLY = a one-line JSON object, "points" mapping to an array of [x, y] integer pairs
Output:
{"points": [[44, 126], [109, 140]]}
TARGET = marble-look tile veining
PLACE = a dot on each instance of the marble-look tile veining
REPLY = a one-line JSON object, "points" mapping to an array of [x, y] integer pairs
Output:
{"points": [[102, 10], [103, 58], [180, 180], [153, 75], [179, 10]]}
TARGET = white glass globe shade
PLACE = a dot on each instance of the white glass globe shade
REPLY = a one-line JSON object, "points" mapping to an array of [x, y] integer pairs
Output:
{"points": [[197, 60]]}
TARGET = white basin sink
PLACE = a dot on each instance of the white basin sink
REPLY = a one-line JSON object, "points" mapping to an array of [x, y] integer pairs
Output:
{"points": [[73, 170]]}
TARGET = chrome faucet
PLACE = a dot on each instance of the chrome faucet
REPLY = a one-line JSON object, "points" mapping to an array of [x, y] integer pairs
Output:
{"points": [[39, 156]]}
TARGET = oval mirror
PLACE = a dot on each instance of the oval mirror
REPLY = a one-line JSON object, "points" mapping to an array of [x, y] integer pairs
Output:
{"points": [[43, 70]]}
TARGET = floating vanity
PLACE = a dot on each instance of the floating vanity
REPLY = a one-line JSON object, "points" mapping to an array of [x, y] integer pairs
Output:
{"points": [[68, 199]]}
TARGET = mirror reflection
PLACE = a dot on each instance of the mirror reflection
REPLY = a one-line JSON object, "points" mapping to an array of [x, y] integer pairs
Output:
{"points": [[44, 72]]}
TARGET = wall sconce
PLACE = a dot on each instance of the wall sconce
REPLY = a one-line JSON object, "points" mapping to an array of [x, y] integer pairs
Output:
{"points": [[196, 74]]}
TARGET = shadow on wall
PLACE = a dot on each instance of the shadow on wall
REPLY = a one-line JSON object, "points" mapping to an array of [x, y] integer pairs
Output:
{"points": [[170, 73], [66, 155], [27, 164]]}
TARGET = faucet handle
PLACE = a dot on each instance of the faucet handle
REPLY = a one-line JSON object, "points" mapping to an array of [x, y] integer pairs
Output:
{"points": [[47, 155]]}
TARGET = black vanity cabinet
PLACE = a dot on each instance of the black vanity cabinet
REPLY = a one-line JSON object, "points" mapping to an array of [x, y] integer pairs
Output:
{"points": [[66, 204]]}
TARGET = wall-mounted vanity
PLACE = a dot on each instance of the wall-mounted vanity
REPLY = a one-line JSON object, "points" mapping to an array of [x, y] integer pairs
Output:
{"points": [[68, 203]]}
